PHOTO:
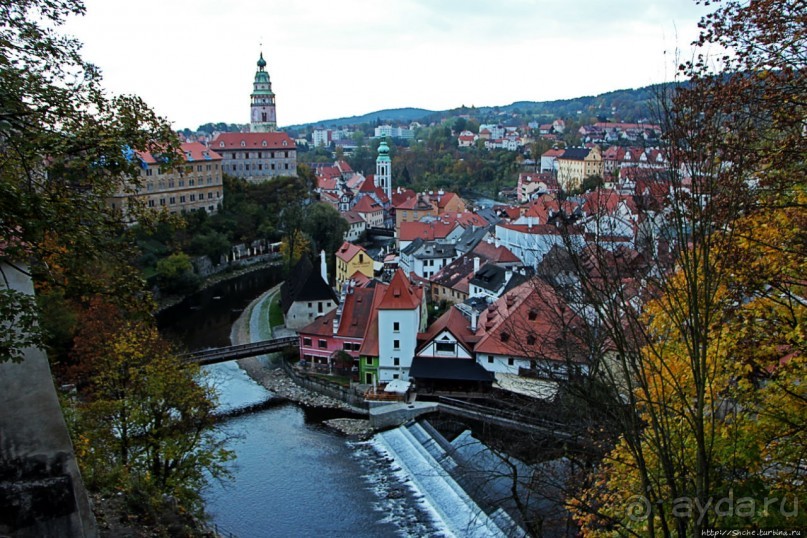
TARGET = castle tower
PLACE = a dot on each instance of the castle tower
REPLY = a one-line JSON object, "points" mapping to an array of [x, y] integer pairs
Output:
{"points": [[383, 169], [262, 102]]}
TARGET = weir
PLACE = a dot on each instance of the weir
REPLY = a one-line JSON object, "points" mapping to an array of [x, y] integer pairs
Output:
{"points": [[426, 462]]}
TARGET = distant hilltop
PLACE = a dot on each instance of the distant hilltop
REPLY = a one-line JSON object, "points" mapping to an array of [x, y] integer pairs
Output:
{"points": [[628, 105]]}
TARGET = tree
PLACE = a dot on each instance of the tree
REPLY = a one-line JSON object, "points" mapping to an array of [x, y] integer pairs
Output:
{"points": [[294, 247], [325, 226], [214, 245], [65, 146], [144, 421], [702, 346], [175, 274]]}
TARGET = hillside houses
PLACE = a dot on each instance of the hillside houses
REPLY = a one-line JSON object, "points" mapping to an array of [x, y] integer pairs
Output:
{"points": [[505, 320]]}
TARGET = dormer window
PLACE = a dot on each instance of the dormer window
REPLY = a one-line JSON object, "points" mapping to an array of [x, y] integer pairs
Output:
{"points": [[285, 143], [221, 144], [243, 144], [263, 143]]}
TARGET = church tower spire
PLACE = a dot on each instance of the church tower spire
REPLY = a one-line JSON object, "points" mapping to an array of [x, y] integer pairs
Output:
{"points": [[262, 101]]}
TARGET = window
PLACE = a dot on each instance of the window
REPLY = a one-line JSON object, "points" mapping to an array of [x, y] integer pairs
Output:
{"points": [[181, 199], [306, 341], [172, 200], [368, 361], [193, 197], [322, 344], [490, 359], [162, 201], [396, 344], [210, 196], [510, 361], [396, 326], [395, 376], [445, 347], [191, 183], [319, 307], [151, 203], [396, 361]]}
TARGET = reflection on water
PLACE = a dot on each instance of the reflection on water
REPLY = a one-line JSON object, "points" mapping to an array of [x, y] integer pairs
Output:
{"points": [[205, 318]]}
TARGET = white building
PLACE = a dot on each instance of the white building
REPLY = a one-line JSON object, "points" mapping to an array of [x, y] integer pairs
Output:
{"points": [[399, 321]]}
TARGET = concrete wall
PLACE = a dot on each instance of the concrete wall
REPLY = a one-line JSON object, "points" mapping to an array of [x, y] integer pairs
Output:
{"points": [[41, 491]]}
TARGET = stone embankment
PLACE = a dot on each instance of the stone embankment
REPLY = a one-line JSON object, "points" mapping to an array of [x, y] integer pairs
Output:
{"points": [[354, 427], [275, 380]]}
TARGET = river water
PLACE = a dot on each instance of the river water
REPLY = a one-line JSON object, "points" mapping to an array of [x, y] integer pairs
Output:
{"points": [[292, 476]]}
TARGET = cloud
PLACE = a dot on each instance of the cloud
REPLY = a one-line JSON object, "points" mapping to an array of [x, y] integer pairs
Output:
{"points": [[194, 60]]}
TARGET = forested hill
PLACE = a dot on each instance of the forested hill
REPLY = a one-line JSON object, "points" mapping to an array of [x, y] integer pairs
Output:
{"points": [[628, 105], [392, 115]]}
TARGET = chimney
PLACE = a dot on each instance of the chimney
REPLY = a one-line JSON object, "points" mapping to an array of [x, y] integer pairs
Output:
{"points": [[323, 266], [474, 320], [496, 242], [476, 264]]}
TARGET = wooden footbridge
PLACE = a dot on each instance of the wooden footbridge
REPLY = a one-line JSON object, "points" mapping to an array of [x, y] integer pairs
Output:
{"points": [[242, 351]]}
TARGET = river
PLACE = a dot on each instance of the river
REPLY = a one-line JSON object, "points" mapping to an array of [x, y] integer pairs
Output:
{"points": [[292, 476]]}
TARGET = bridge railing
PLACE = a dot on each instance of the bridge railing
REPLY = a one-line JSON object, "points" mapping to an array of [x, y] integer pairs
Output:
{"points": [[239, 349]]}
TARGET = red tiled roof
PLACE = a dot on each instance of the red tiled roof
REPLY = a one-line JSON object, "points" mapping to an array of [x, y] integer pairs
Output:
{"points": [[368, 185], [529, 321], [348, 251], [352, 217], [409, 231], [400, 294], [322, 326], [555, 152], [606, 201], [360, 280], [454, 322], [233, 141], [367, 205], [327, 183], [400, 195], [191, 152], [495, 254], [356, 313], [369, 346]]}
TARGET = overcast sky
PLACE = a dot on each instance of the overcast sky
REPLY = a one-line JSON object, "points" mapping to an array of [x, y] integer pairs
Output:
{"points": [[194, 60]]}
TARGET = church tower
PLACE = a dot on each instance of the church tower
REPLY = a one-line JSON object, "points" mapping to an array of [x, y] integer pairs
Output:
{"points": [[383, 169], [262, 105]]}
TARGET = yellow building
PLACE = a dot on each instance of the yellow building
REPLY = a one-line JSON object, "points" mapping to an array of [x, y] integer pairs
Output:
{"points": [[351, 258], [195, 185], [576, 164]]}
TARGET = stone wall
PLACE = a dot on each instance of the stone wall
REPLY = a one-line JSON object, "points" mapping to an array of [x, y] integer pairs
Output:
{"points": [[41, 491]]}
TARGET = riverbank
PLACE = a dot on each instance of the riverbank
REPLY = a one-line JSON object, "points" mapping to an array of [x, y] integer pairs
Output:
{"points": [[253, 325]]}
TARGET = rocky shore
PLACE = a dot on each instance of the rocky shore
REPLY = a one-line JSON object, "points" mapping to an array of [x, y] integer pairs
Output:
{"points": [[275, 379]]}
